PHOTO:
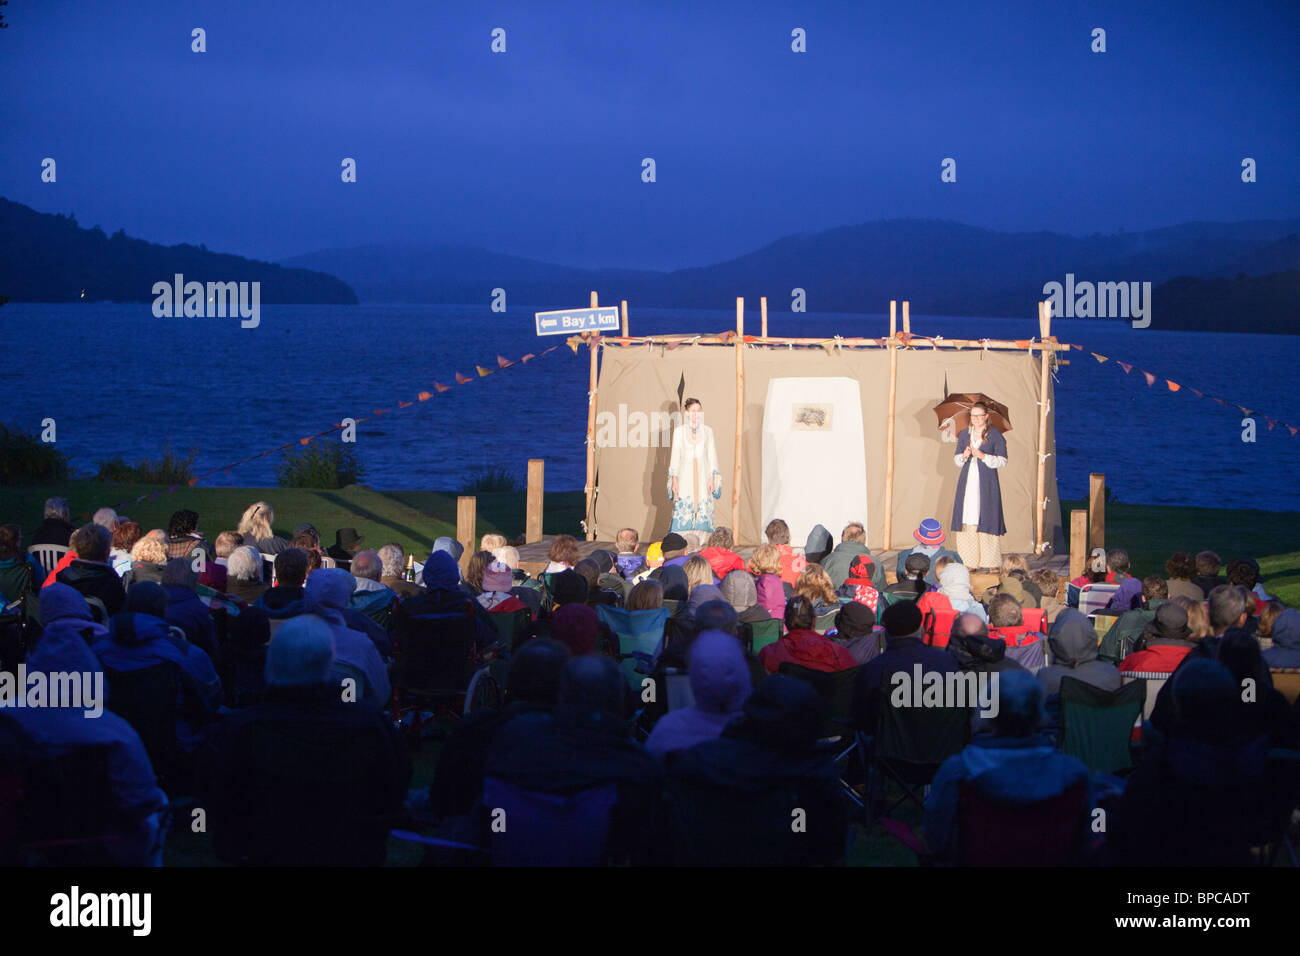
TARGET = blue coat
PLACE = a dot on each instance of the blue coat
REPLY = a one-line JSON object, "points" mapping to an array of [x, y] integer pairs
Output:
{"points": [[990, 490]]}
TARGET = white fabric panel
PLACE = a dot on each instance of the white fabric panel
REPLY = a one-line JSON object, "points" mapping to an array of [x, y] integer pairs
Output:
{"points": [[811, 475]]}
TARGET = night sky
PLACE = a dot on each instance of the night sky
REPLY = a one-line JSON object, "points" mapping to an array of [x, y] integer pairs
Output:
{"points": [[538, 151]]}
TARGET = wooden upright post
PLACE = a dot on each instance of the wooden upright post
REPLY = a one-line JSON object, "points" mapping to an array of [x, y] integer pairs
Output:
{"points": [[907, 316], [466, 519], [1045, 327], [595, 300], [740, 417], [533, 506], [762, 304], [623, 306], [889, 423], [593, 346], [1096, 510], [1078, 542]]}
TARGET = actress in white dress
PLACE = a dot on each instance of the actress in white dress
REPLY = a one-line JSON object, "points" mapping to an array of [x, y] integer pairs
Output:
{"points": [[694, 481]]}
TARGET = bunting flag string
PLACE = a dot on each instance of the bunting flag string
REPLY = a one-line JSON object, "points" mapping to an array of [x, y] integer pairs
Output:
{"points": [[424, 396]]}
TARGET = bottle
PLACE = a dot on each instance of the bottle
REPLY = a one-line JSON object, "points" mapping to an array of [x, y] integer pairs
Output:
{"points": [[410, 567]]}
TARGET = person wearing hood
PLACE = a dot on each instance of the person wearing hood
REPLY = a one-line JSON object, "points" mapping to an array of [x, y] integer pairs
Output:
{"points": [[454, 549], [856, 632], [765, 761], [954, 584], [443, 595], [1014, 766], [974, 650], [328, 592], [90, 573], [64, 648], [802, 645], [720, 683], [741, 592], [139, 637], [1163, 645], [1285, 651], [1073, 643], [289, 599], [852, 546], [818, 546], [184, 609]]}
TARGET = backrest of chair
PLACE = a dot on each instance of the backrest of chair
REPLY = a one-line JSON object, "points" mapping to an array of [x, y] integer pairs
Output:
{"points": [[679, 689], [672, 604], [327, 562], [1097, 725], [765, 633], [512, 626], [1046, 833], [341, 671], [920, 736], [835, 688], [1036, 618], [16, 581], [434, 652], [1152, 681], [146, 698], [1029, 656], [1286, 681], [67, 815], [97, 609], [639, 633], [48, 554], [543, 829], [936, 625], [1094, 597], [825, 621]]}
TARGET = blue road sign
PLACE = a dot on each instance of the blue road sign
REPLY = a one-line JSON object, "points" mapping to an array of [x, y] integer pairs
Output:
{"points": [[569, 321]]}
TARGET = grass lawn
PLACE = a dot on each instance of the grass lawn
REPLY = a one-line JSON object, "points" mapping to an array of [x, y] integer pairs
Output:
{"points": [[1151, 533]]}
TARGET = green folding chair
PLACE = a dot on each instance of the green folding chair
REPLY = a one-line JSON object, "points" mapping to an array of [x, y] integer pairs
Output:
{"points": [[765, 633], [1097, 725]]}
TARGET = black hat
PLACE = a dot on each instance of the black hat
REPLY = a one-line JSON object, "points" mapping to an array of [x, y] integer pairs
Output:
{"points": [[569, 587], [347, 539], [917, 562], [902, 619], [673, 542], [854, 620], [1170, 622]]}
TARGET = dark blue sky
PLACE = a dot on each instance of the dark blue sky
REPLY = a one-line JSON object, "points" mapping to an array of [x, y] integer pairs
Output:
{"points": [[538, 151]]}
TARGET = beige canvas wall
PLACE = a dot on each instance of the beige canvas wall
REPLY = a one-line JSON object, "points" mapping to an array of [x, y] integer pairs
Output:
{"points": [[632, 481]]}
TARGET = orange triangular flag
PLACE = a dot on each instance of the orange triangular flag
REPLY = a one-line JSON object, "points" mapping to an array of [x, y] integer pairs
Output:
{"points": [[482, 372], [1173, 386], [1244, 409], [1292, 429], [1126, 368], [503, 362], [301, 441], [462, 379], [438, 386], [1151, 379], [424, 396], [1100, 358]]}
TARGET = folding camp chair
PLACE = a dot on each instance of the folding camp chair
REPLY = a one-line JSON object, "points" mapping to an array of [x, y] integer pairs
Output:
{"points": [[512, 626], [436, 662], [826, 622], [1097, 725], [763, 633], [146, 698], [835, 688], [1049, 832], [639, 634]]}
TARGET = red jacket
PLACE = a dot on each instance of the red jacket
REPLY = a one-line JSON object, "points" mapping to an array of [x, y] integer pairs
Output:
{"points": [[791, 564], [722, 561], [1158, 658], [67, 559], [807, 649]]}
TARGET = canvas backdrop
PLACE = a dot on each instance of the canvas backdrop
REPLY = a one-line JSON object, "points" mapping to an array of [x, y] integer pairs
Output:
{"points": [[636, 381]]}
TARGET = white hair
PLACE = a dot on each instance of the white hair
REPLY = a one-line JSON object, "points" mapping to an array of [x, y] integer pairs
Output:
{"points": [[105, 518], [509, 556], [244, 564], [301, 653], [392, 557], [367, 564]]}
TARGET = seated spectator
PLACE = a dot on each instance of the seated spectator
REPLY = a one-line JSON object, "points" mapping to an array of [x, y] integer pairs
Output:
{"points": [[443, 595], [106, 518], [703, 595], [1163, 645], [765, 565], [394, 568], [1130, 588], [767, 761], [125, 536], [676, 588], [1049, 585], [474, 570], [148, 558], [1073, 643], [718, 552], [648, 595], [1198, 617], [495, 596], [720, 683], [183, 537], [675, 549], [1015, 582], [802, 645], [911, 583], [226, 542], [582, 747], [244, 574], [1284, 629], [954, 584], [815, 584], [20, 572], [790, 564], [286, 598], [532, 686], [140, 637], [1128, 627], [853, 545], [347, 542], [1181, 568], [327, 594], [255, 526], [1015, 765], [929, 542], [818, 545], [563, 554], [608, 579], [55, 529], [975, 650], [856, 632], [1207, 573], [1196, 797], [1007, 621], [740, 591], [1261, 708], [858, 587], [628, 561], [1095, 572], [698, 573], [1244, 572], [371, 597], [904, 649], [59, 729], [706, 611], [184, 609], [90, 573], [304, 778]]}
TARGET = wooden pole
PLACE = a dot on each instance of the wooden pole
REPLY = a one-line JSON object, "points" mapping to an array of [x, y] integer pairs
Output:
{"points": [[466, 518], [740, 417], [762, 304], [850, 342], [1045, 327], [533, 506], [595, 300], [593, 346], [623, 306], [1078, 542], [907, 316], [889, 425], [1096, 510]]}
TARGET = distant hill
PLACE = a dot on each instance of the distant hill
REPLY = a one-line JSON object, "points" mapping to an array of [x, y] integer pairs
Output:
{"points": [[1268, 303], [49, 258], [944, 268]]}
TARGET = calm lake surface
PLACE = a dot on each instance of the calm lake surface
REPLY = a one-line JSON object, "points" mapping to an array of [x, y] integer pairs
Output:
{"points": [[117, 380]]}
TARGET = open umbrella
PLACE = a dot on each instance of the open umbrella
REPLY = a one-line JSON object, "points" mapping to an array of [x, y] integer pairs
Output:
{"points": [[954, 413]]}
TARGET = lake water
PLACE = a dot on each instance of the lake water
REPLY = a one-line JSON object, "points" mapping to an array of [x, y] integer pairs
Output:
{"points": [[119, 381]]}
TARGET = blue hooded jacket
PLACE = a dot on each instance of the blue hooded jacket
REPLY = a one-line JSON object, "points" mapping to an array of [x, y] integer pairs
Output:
{"points": [[1285, 651], [328, 593]]}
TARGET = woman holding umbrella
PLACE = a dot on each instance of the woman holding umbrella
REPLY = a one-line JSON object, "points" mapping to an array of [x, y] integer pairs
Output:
{"points": [[977, 509]]}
